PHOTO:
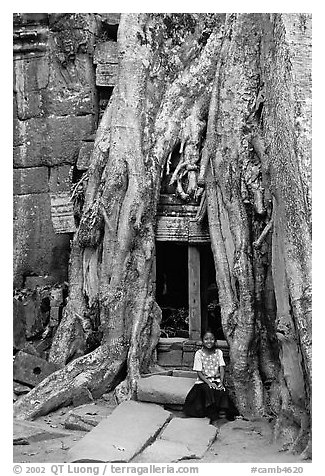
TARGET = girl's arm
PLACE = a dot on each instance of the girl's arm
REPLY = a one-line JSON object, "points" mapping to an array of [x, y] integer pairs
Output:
{"points": [[222, 374], [205, 380]]}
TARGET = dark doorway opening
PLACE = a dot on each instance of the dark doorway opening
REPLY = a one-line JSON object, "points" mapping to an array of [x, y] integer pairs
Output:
{"points": [[210, 307], [172, 290], [172, 287]]}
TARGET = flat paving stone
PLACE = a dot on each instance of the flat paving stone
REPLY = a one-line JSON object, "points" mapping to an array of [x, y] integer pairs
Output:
{"points": [[164, 389], [162, 451], [196, 433], [85, 417], [181, 439], [26, 432], [122, 435]]}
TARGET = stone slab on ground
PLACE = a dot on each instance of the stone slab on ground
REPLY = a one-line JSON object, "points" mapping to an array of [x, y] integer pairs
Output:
{"points": [[27, 432], [196, 433], [183, 438], [122, 435], [86, 417], [164, 389], [163, 451]]}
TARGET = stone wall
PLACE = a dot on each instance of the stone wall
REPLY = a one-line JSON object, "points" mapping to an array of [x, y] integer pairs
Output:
{"points": [[179, 352], [64, 73]]}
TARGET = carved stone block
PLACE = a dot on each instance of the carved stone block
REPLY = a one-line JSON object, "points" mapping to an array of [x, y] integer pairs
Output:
{"points": [[106, 74], [30, 369]]}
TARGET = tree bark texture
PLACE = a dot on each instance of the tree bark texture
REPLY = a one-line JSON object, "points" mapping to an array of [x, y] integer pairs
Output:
{"points": [[231, 93]]}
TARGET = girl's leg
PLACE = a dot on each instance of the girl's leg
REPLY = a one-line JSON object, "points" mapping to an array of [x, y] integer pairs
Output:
{"points": [[212, 412], [194, 405], [226, 406]]}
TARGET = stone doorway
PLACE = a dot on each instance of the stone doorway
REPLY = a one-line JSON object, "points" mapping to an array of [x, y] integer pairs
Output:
{"points": [[186, 290]]}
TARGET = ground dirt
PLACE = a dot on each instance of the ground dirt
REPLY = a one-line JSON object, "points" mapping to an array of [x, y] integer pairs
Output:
{"points": [[237, 442]]}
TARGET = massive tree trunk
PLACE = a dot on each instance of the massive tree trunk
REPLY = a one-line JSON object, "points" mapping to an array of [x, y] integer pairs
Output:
{"points": [[220, 89]]}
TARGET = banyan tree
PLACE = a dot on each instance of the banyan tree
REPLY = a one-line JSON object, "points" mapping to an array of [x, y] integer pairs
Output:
{"points": [[219, 104]]}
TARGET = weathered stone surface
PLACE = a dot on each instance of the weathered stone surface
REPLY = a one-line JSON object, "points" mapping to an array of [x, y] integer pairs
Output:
{"points": [[185, 373], [62, 212], [159, 372], [177, 344], [106, 74], [31, 282], [23, 19], [54, 315], [30, 180], [27, 317], [162, 451], [31, 369], [164, 389], [106, 52], [86, 417], [188, 359], [29, 348], [182, 438], [166, 343], [19, 325], [190, 346], [37, 249], [31, 77], [173, 358], [111, 18], [196, 433], [56, 296], [78, 100], [60, 178], [50, 141], [61, 204], [28, 432], [172, 228], [121, 435], [84, 155]]}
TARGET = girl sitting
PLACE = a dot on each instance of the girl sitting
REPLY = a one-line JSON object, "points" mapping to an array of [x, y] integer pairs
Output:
{"points": [[208, 397]]}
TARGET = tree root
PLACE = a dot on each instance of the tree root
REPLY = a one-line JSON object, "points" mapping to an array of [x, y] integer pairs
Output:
{"points": [[97, 372], [307, 452]]}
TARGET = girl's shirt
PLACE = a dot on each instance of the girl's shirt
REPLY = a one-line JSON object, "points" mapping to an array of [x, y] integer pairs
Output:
{"points": [[208, 364]]}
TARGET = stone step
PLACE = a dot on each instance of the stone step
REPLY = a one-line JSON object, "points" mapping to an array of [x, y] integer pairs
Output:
{"points": [[120, 436], [184, 373], [164, 389], [183, 438]]}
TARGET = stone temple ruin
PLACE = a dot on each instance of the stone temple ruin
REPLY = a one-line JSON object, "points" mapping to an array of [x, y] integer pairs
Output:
{"points": [[64, 74]]}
